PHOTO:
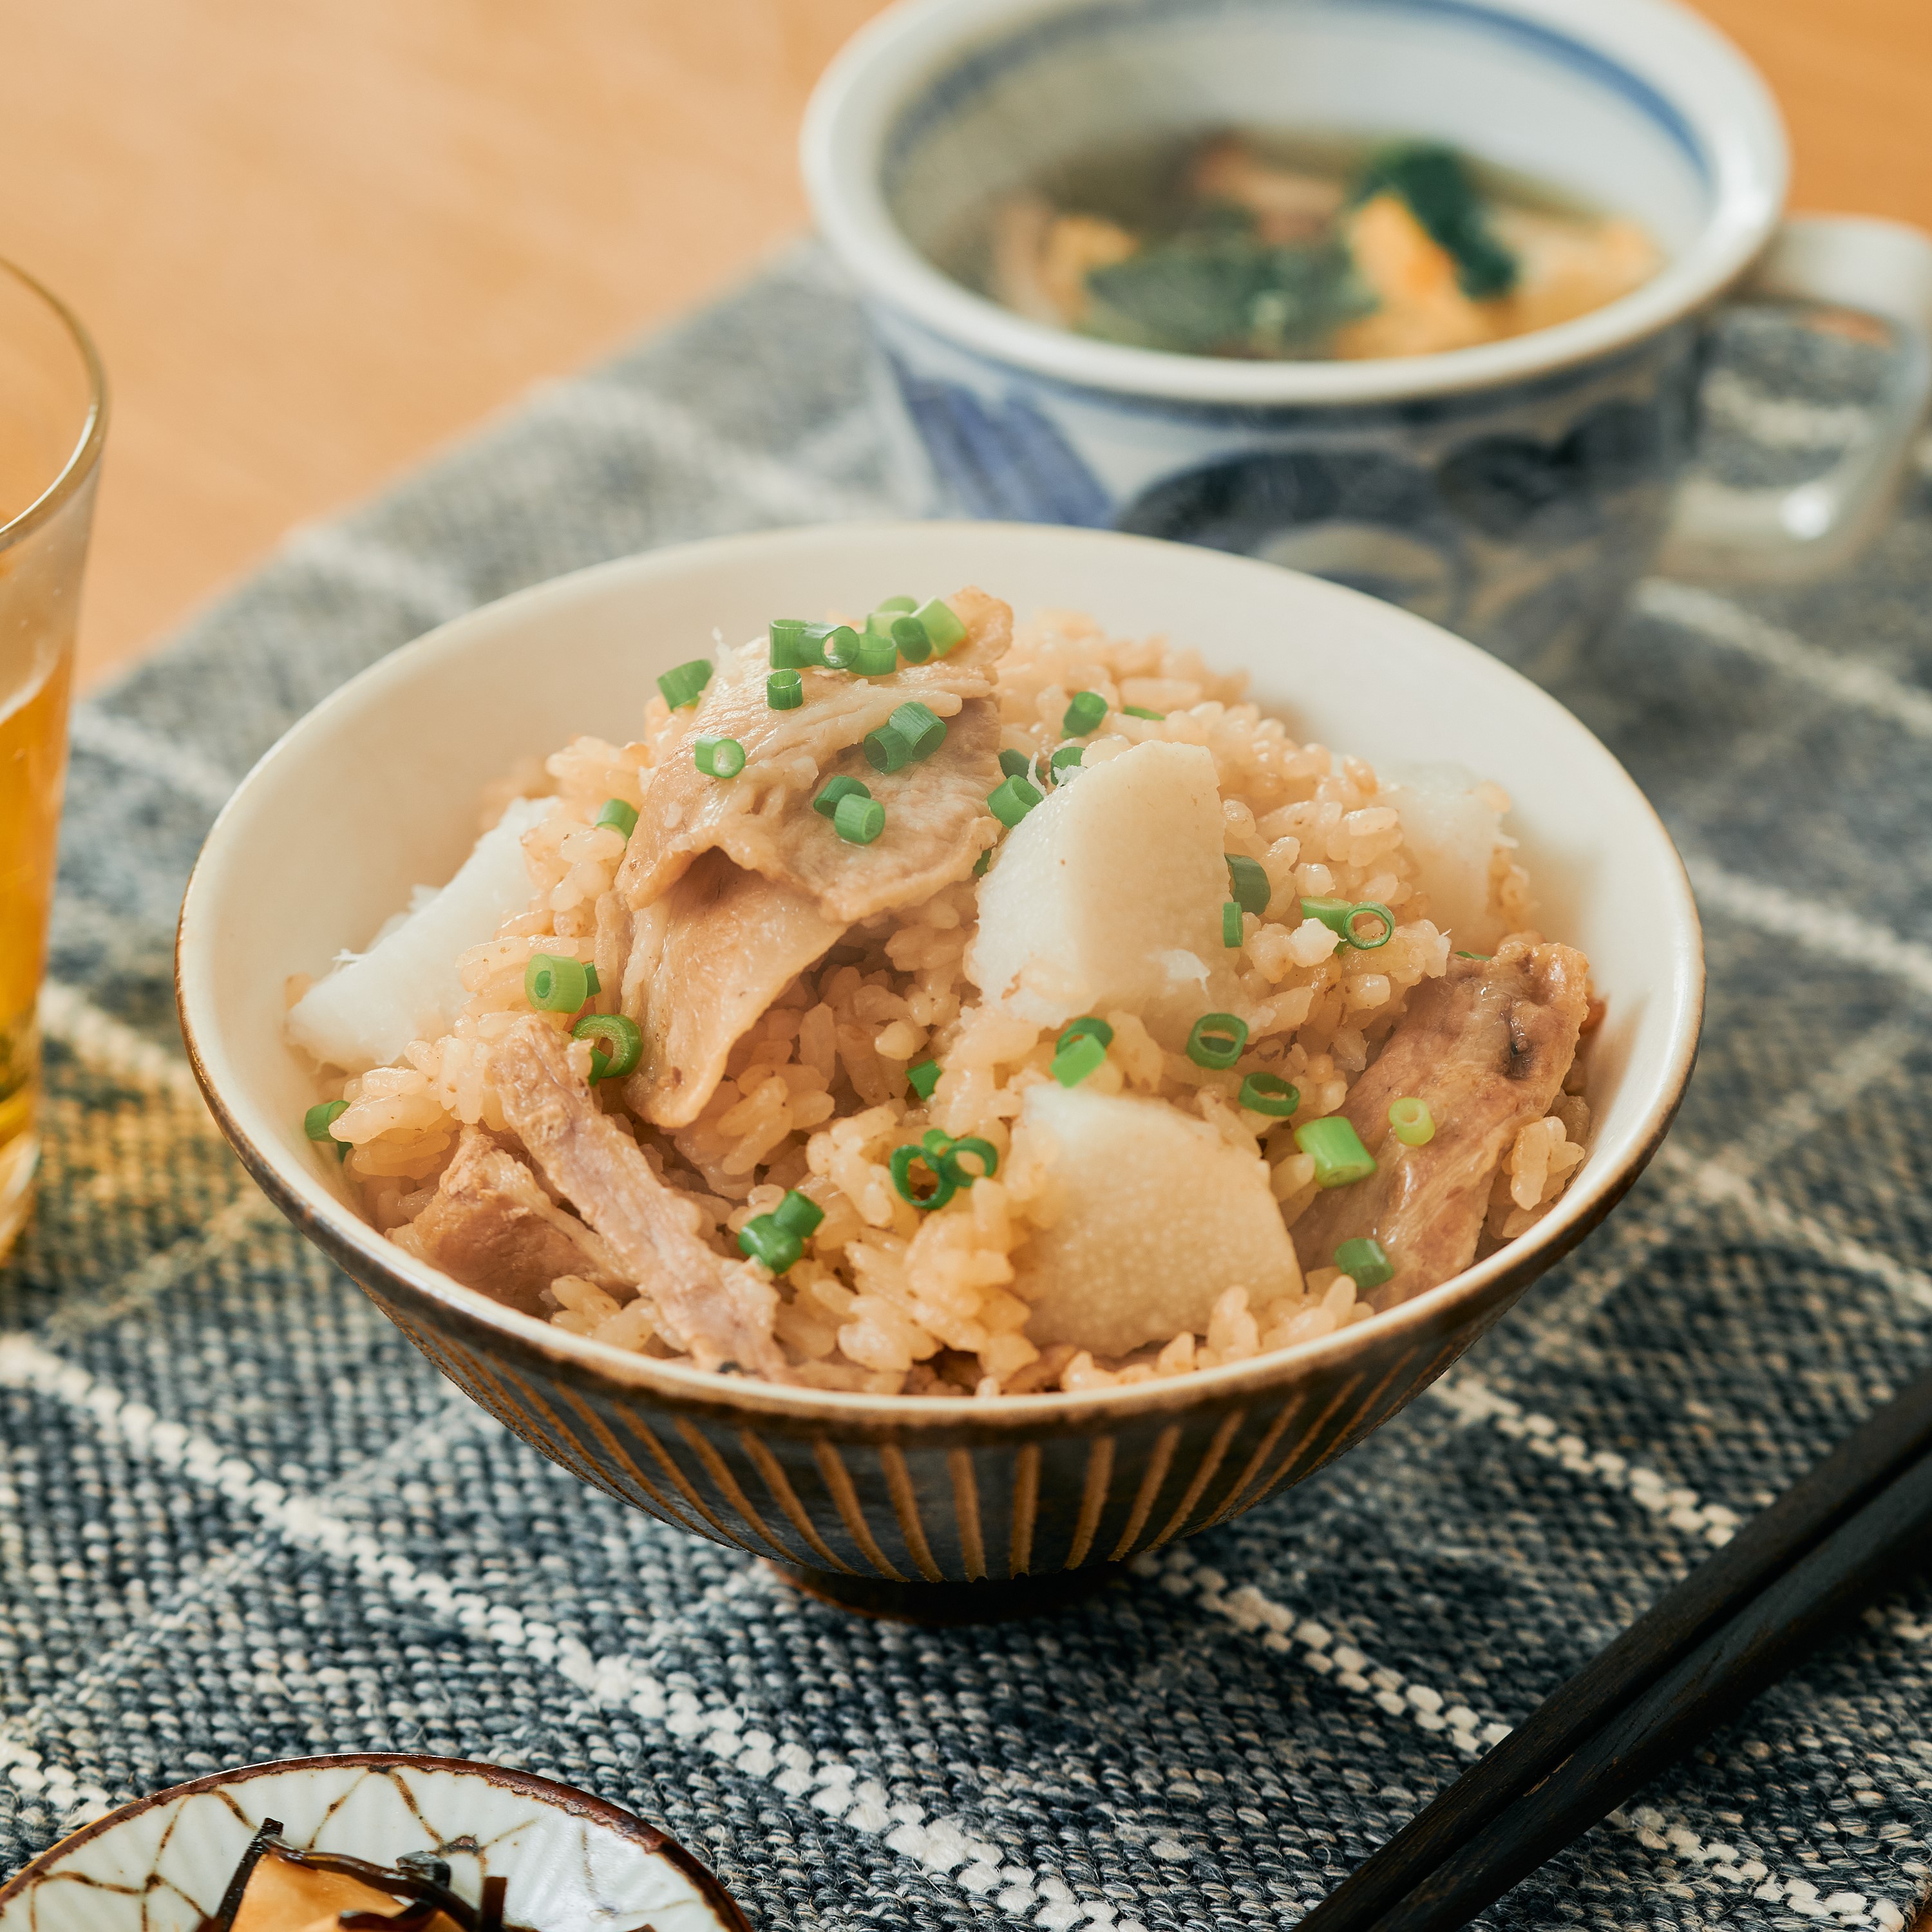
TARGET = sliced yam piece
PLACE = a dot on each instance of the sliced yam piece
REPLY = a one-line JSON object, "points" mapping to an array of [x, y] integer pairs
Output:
{"points": [[1287, 205], [1569, 266], [684, 813], [1452, 828], [1485, 1048], [492, 1226], [407, 986], [718, 1310], [1156, 1216], [1109, 893], [707, 959]]}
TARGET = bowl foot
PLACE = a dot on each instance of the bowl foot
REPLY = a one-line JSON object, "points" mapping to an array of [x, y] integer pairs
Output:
{"points": [[1003, 1600]]}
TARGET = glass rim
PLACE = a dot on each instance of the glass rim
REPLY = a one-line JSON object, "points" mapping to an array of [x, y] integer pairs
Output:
{"points": [[85, 456]]}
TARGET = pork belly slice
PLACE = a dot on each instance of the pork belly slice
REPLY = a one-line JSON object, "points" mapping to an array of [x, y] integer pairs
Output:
{"points": [[491, 1225], [1487, 1046], [788, 754], [707, 959], [717, 1310]]}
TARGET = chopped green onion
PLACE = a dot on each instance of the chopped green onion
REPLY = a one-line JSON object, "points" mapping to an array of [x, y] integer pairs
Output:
{"points": [[1217, 1040], [1231, 924], [910, 640], [1336, 1150], [1366, 1261], [876, 657], [1368, 908], [1141, 711], [763, 1239], [797, 645], [1072, 1064], [784, 690], [1413, 1123], [1086, 713], [922, 728], [922, 1077], [859, 821], [799, 1214], [935, 1142], [941, 624], [616, 814], [983, 1151], [842, 647], [624, 1043], [943, 1185], [827, 801], [896, 604], [1473, 956], [1011, 800], [1016, 764], [980, 864], [1269, 1094], [681, 686], [1067, 758], [554, 983], [1333, 913], [718, 757], [315, 1123], [886, 749], [1249, 883], [1080, 1028], [591, 983]]}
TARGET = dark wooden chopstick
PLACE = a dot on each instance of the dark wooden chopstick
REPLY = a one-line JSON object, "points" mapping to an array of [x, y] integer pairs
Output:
{"points": [[1821, 1531]]}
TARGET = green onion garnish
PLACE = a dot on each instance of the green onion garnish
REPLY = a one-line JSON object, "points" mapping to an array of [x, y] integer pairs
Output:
{"points": [[922, 728], [1011, 799], [1231, 924], [1086, 713], [1366, 1260], [982, 1151], [1370, 910], [763, 1239], [896, 605], [1217, 1040], [1080, 1028], [591, 983], [942, 628], [910, 640], [1412, 1122], [826, 803], [842, 647], [1016, 764], [316, 1122], [1333, 913], [877, 656], [1336, 1150], [1269, 1094], [859, 821], [615, 813], [797, 645], [1472, 955], [943, 1186], [624, 1044], [554, 983], [980, 864], [681, 685], [1249, 883], [784, 690], [1141, 711], [1067, 758], [799, 1214], [1072, 1064], [886, 749], [922, 1077], [718, 757]]}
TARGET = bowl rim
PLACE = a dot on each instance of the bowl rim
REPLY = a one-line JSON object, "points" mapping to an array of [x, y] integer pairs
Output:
{"points": [[365, 1253], [550, 1791], [855, 106]]}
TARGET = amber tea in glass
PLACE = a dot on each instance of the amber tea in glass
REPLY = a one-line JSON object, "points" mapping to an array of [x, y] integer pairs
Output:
{"points": [[53, 418]]}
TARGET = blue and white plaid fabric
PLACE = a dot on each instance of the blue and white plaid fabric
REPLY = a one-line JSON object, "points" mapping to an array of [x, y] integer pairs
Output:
{"points": [[240, 1518]]}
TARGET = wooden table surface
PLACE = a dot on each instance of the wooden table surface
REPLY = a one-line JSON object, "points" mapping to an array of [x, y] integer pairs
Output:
{"points": [[315, 239]]}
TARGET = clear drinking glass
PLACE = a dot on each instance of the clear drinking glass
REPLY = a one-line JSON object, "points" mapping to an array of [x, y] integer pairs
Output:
{"points": [[53, 419]]}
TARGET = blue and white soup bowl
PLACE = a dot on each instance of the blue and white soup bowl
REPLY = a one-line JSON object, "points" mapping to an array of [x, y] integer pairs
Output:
{"points": [[1512, 491]]}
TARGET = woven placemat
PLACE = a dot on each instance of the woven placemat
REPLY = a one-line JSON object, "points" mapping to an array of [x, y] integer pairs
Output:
{"points": [[242, 1519]]}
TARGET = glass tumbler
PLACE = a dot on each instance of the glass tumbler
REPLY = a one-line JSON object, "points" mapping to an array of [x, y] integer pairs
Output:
{"points": [[53, 419]]}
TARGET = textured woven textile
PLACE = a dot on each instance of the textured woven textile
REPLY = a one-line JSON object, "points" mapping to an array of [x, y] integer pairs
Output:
{"points": [[242, 1519]]}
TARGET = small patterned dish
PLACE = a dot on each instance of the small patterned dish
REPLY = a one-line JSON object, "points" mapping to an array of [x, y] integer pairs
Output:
{"points": [[573, 1863]]}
